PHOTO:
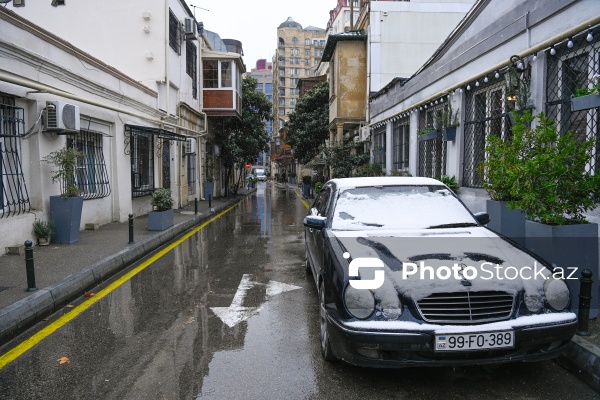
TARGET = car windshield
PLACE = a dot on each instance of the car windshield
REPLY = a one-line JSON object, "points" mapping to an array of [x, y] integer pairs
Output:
{"points": [[399, 207]]}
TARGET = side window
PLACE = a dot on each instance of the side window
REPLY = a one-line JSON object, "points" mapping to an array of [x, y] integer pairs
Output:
{"points": [[324, 195]]}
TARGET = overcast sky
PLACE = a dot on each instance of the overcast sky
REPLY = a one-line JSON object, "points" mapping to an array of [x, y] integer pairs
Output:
{"points": [[255, 23]]}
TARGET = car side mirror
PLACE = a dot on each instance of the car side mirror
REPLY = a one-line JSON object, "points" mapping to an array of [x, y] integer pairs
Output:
{"points": [[315, 222], [482, 217]]}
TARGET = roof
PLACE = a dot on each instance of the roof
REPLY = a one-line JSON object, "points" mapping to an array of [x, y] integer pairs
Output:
{"points": [[332, 41], [383, 181], [290, 23]]}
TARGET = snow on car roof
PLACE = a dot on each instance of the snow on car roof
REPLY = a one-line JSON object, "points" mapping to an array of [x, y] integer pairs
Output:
{"points": [[383, 181]]}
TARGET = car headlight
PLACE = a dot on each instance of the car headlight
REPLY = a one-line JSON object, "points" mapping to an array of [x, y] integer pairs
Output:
{"points": [[557, 294], [360, 303]]}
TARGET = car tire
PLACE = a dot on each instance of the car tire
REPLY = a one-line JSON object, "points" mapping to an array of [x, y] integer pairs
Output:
{"points": [[326, 350]]}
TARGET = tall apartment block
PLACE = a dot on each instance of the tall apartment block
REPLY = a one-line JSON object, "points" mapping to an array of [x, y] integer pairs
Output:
{"points": [[298, 54], [263, 73]]}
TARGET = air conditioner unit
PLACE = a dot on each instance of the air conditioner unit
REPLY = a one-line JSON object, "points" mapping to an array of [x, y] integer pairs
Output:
{"points": [[365, 132], [61, 116], [191, 29], [18, 3], [190, 146]]}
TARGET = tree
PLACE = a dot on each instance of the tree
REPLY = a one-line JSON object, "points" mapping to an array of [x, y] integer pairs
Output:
{"points": [[241, 140], [307, 125], [345, 158]]}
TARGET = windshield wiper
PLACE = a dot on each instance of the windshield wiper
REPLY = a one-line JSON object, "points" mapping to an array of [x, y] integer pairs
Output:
{"points": [[455, 225]]}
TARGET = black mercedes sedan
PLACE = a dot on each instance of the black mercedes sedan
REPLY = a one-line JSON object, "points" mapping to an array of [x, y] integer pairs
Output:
{"points": [[408, 276]]}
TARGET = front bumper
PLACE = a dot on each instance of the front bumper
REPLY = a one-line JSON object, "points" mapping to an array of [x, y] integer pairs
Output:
{"points": [[403, 348]]}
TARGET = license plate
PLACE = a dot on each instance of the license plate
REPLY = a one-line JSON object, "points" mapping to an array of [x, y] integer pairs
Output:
{"points": [[475, 341]]}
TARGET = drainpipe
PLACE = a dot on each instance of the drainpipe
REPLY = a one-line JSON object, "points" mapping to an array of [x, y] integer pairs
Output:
{"points": [[167, 81]]}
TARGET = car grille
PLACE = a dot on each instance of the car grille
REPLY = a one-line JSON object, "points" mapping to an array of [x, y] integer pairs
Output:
{"points": [[466, 307]]}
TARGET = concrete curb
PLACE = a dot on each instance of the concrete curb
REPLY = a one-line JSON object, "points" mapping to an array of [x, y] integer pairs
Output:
{"points": [[582, 359], [24, 313]]}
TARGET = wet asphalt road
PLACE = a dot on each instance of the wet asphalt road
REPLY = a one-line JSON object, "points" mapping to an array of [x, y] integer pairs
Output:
{"points": [[230, 314]]}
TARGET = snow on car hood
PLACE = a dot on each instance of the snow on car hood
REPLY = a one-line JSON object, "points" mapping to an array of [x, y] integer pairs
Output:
{"points": [[417, 262]]}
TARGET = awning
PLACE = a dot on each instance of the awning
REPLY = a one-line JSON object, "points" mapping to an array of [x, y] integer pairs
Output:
{"points": [[131, 130]]}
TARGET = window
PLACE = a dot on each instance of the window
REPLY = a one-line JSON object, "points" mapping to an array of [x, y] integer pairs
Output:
{"points": [[282, 111], [294, 40], [91, 176], [281, 81], [293, 82], [142, 164], [432, 152], [259, 87], [282, 102], [14, 198], [292, 102], [191, 66], [226, 74], [400, 142], [307, 42], [307, 52], [211, 74], [282, 92], [191, 173], [379, 147], [174, 32], [268, 88], [282, 72]]}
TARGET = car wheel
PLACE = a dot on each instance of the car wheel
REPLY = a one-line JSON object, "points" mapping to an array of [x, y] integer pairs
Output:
{"points": [[326, 351]]}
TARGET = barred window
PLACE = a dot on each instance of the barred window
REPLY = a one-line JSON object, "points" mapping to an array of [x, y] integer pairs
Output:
{"points": [[191, 66], [571, 69], [191, 173], [379, 147], [14, 197], [91, 176], [142, 165], [174, 32], [400, 142], [432, 152]]}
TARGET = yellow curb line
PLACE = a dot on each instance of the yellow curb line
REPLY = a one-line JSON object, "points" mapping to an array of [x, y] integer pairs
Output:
{"points": [[22, 348]]}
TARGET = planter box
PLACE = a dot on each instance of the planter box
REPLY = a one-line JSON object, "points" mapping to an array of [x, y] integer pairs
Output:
{"points": [[449, 134], [161, 220], [65, 212], [432, 134], [208, 189], [306, 190], [585, 102], [509, 223], [293, 180], [568, 246]]}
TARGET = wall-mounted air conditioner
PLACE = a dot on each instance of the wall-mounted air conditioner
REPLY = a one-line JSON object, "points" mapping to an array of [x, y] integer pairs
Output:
{"points": [[190, 28], [365, 134], [61, 116], [190, 146]]}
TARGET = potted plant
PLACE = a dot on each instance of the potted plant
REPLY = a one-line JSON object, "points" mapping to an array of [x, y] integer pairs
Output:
{"points": [[554, 190], [448, 121], [427, 132], [499, 172], [587, 98], [306, 185], [163, 215], [450, 181], [65, 210], [43, 230]]}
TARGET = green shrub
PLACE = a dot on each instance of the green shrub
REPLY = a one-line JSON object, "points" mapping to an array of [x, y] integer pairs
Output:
{"points": [[318, 186], [162, 200], [370, 170], [396, 172], [450, 181], [43, 229], [307, 179]]}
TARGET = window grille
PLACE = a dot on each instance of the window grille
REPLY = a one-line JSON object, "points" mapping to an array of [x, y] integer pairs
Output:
{"points": [[379, 147], [14, 197], [191, 173], [432, 152], [174, 32], [486, 113], [141, 147], [91, 176], [571, 69], [191, 66], [400, 143]]}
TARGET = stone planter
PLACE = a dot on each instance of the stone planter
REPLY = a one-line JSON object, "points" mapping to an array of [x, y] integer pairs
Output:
{"points": [[509, 223], [161, 220], [449, 134], [432, 134], [65, 213], [585, 102], [208, 189], [568, 247]]}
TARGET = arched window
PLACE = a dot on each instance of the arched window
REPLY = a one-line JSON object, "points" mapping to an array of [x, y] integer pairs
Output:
{"points": [[294, 40]]}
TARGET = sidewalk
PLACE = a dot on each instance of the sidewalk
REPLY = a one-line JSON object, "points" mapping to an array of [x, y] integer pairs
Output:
{"points": [[64, 272]]}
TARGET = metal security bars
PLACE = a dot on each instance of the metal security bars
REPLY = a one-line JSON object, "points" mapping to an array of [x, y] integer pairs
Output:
{"points": [[432, 151], [573, 68], [487, 110], [379, 147], [14, 198], [141, 151], [400, 142], [91, 176], [174, 32], [191, 66]]}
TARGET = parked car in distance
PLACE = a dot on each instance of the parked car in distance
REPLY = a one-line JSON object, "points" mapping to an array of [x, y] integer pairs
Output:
{"points": [[408, 276], [260, 174]]}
